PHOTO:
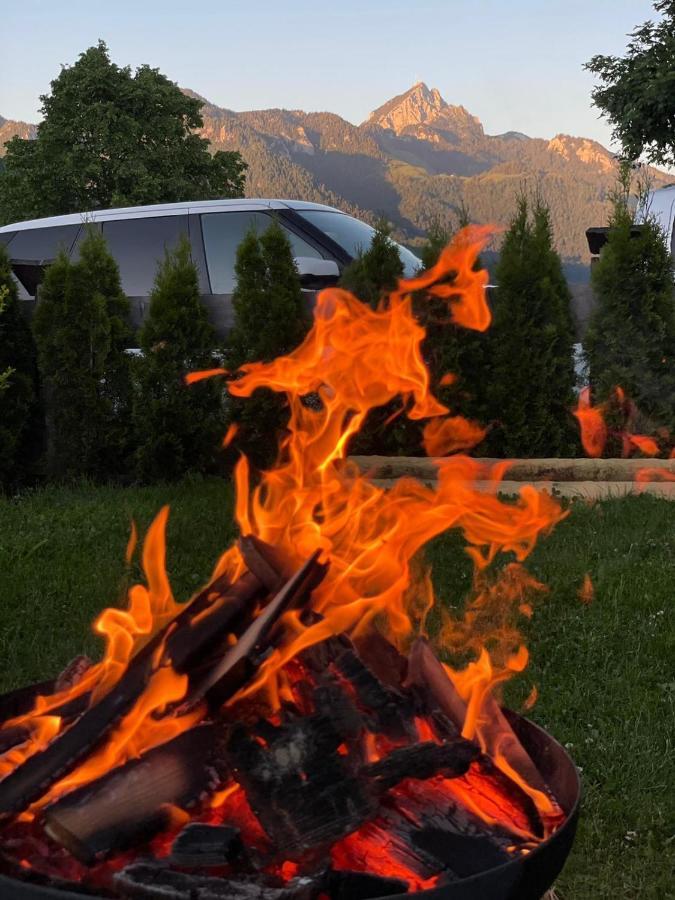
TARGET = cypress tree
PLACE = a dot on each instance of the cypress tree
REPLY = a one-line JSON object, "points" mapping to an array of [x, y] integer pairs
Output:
{"points": [[20, 437], [449, 348], [377, 269], [533, 378], [270, 320], [630, 340], [80, 331], [177, 426]]}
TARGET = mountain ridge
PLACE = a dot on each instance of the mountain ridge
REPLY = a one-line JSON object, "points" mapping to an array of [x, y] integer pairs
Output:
{"points": [[415, 160]]}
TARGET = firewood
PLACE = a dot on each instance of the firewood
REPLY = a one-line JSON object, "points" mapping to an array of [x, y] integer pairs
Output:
{"points": [[300, 788], [13, 735], [238, 664], [151, 882], [72, 674], [384, 660], [421, 761], [348, 885], [202, 846], [208, 615], [131, 803], [389, 710], [264, 561]]}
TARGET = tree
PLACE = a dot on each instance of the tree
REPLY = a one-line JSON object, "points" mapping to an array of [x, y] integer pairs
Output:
{"points": [[177, 426], [20, 437], [449, 348], [113, 138], [270, 320], [630, 341], [637, 94], [532, 387], [81, 332], [377, 269]]}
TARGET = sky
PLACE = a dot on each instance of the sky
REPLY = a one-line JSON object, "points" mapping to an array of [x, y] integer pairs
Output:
{"points": [[516, 64]]}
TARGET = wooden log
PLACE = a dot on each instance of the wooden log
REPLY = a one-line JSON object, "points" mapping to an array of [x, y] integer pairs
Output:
{"points": [[389, 710], [421, 761], [348, 885], [197, 625], [131, 803], [13, 735], [152, 882], [203, 846], [265, 561], [425, 668], [237, 665], [300, 787]]}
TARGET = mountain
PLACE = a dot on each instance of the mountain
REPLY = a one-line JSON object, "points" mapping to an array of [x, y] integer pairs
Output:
{"points": [[9, 128], [416, 159]]}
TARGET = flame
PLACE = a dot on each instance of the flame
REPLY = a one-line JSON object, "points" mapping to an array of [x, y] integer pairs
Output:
{"points": [[354, 358], [595, 432], [587, 590]]}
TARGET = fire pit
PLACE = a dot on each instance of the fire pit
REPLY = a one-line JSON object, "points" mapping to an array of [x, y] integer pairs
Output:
{"points": [[291, 732]]}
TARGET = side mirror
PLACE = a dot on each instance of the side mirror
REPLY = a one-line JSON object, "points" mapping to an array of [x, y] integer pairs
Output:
{"points": [[316, 273]]}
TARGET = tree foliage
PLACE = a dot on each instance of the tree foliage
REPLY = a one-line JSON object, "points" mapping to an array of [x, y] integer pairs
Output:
{"points": [[637, 94], [532, 373], [630, 340], [177, 426], [376, 270], [81, 331], [110, 137], [270, 320], [19, 417]]}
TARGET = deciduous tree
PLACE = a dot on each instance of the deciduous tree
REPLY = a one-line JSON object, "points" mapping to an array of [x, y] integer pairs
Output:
{"points": [[110, 137]]}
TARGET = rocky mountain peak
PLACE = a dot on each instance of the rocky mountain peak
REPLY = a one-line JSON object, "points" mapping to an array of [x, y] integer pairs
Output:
{"points": [[421, 107]]}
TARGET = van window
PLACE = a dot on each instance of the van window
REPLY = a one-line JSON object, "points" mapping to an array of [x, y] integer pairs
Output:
{"points": [[139, 245], [42, 244], [223, 232]]}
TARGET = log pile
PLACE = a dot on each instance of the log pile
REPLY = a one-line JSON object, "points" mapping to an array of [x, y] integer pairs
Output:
{"points": [[342, 777]]}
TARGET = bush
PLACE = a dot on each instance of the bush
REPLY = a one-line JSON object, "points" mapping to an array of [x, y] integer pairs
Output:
{"points": [[532, 380], [177, 427], [81, 331], [20, 432], [630, 340], [270, 320]]}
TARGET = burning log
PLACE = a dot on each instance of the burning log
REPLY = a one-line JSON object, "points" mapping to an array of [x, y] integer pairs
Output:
{"points": [[425, 671], [265, 561], [421, 761], [203, 846], [133, 802], [215, 610], [13, 735], [147, 882], [238, 663], [298, 785]]}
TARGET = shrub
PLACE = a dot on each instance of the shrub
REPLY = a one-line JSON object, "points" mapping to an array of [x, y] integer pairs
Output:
{"points": [[630, 340], [177, 427], [81, 331], [270, 320], [20, 432], [532, 389]]}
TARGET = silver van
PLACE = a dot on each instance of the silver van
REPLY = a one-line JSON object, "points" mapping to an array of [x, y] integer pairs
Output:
{"points": [[324, 241]]}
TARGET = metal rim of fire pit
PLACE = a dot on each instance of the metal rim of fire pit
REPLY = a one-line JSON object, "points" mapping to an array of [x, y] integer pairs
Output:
{"points": [[521, 878]]}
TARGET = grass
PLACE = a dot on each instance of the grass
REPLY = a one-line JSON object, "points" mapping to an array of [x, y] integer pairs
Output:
{"points": [[605, 671]]}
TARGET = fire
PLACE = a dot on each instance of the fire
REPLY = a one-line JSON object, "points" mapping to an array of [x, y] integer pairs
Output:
{"points": [[354, 358]]}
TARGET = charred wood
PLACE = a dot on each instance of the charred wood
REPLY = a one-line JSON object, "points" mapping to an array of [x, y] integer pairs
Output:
{"points": [[130, 804], [265, 561], [204, 619], [144, 880], [201, 846], [421, 761], [300, 788]]}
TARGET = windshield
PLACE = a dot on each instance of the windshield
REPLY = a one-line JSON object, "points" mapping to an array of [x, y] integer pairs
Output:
{"points": [[354, 236]]}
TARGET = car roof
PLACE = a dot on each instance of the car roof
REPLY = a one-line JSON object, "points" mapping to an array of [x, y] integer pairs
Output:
{"points": [[165, 209]]}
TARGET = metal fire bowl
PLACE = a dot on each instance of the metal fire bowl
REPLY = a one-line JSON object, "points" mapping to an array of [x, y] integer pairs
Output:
{"points": [[522, 878]]}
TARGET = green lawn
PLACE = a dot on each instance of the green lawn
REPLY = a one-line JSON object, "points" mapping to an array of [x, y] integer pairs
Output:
{"points": [[605, 672]]}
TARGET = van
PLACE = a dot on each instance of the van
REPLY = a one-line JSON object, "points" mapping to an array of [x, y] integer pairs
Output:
{"points": [[324, 240]]}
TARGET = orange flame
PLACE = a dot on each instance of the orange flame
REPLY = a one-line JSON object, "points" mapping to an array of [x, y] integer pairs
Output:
{"points": [[587, 590]]}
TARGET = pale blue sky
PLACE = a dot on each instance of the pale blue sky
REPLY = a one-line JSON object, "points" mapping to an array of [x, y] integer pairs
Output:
{"points": [[516, 64]]}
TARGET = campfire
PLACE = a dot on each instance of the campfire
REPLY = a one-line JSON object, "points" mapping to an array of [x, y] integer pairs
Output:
{"points": [[292, 733]]}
